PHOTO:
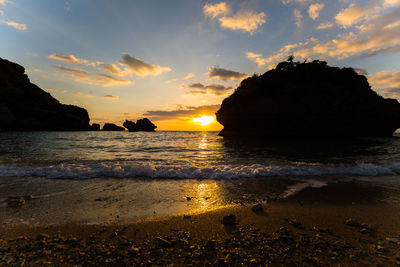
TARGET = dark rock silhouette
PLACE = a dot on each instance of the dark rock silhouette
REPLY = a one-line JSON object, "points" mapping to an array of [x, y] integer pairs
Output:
{"points": [[26, 107], [112, 127], [141, 125], [307, 99], [95, 127]]}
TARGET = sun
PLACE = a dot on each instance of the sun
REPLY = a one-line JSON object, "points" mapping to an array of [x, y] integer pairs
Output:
{"points": [[204, 120]]}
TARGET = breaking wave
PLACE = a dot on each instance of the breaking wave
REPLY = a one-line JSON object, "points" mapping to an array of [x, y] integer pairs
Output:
{"points": [[151, 170]]}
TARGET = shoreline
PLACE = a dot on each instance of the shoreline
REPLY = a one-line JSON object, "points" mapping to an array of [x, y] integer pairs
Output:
{"points": [[307, 227], [279, 234]]}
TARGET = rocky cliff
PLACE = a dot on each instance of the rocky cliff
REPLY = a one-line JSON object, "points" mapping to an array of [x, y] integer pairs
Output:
{"points": [[307, 99], [26, 107]]}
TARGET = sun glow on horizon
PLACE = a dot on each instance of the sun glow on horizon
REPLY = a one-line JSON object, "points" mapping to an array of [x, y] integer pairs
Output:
{"points": [[204, 120]]}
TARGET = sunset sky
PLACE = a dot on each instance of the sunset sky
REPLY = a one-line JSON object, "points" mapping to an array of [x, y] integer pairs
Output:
{"points": [[172, 61]]}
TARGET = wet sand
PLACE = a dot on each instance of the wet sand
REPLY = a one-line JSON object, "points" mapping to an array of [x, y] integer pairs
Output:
{"points": [[308, 228]]}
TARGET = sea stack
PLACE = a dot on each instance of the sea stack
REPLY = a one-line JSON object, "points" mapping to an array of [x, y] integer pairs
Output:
{"points": [[26, 107], [309, 99], [141, 125]]}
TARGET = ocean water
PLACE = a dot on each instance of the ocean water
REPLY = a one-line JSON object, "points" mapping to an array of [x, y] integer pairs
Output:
{"points": [[187, 155], [109, 177]]}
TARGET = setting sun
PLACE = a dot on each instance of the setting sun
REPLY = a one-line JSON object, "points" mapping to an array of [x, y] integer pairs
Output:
{"points": [[204, 120]]}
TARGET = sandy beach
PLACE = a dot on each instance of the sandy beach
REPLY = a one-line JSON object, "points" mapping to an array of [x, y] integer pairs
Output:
{"points": [[304, 229]]}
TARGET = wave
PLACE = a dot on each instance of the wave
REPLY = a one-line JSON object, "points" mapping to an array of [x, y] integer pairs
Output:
{"points": [[157, 170]]}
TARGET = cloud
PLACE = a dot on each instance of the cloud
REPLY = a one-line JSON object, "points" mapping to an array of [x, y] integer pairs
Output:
{"points": [[1, 12], [314, 10], [71, 59], [5, 2], [243, 20], [80, 94], [64, 92], [73, 71], [387, 82], [298, 17], [107, 80], [15, 25], [212, 89], [189, 76], [216, 10], [139, 67], [285, 2], [224, 74], [111, 69], [194, 85], [283, 53], [379, 33], [386, 78], [104, 80], [111, 97], [354, 14], [361, 71], [182, 112], [217, 89], [325, 25]]}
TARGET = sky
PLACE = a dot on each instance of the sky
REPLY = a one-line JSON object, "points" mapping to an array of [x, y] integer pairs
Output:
{"points": [[173, 61]]}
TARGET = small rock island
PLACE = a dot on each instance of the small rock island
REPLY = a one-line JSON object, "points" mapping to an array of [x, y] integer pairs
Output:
{"points": [[26, 107], [144, 125], [309, 99]]}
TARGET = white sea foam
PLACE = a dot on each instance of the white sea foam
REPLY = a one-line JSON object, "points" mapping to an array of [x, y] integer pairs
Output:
{"points": [[293, 189], [152, 170]]}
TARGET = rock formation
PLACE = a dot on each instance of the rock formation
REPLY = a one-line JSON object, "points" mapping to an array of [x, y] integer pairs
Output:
{"points": [[95, 127], [26, 107], [141, 125], [112, 127], [307, 99]]}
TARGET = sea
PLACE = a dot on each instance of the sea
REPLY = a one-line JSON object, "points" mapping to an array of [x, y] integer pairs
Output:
{"points": [[100, 177]]}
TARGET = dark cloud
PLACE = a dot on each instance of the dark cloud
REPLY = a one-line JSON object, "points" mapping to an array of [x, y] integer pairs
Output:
{"points": [[73, 71], [212, 89], [139, 67], [194, 85], [225, 74], [110, 97], [182, 111]]}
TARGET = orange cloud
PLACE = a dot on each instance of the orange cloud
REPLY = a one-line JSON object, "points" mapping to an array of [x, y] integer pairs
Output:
{"points": [[224, 74], [314, 10], [243, 20], [216, 10]]}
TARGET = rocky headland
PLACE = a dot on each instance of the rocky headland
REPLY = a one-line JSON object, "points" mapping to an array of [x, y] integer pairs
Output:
{"points": [[26, 107], [309, 99]]}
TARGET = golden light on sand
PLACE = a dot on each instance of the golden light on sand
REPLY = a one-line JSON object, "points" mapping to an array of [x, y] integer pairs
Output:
{"points": [[204, 120]]}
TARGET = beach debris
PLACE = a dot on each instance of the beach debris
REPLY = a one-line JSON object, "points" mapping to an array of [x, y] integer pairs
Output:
{"points": [[257, 208], [352, 222], [294, 223], [188, 198], [229, 220], [17, 201]]}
